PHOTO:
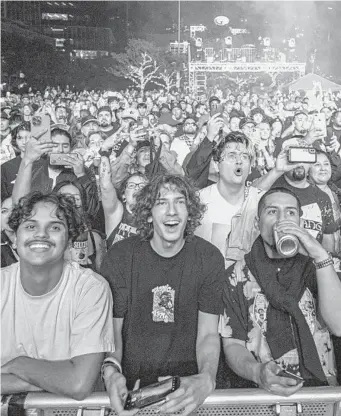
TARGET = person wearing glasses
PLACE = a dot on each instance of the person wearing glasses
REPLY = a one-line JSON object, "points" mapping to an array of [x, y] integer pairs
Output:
{"points": [[182, 145], [118, 204]]}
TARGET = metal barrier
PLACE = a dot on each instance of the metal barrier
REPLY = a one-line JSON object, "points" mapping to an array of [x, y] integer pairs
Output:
{"points": [[319, 401]]}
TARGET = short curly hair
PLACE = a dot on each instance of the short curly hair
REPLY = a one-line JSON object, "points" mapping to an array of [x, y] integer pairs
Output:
{"points": [[66, 208], [146, 199], [234, 137]]}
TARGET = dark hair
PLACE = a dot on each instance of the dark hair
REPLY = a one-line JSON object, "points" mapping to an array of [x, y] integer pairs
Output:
{"points": [[261, 202], [99, 132], [146, 199], [23, 126], [123, 184], [77, 185], [58, 131], [233, 137], [65, 209]]}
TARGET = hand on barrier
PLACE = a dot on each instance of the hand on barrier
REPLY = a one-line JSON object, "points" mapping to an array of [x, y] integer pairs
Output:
{"points": [[117, 390], [189, 396], [269, 380]]}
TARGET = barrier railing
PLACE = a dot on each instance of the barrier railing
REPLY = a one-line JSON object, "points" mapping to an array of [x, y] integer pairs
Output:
{"points": [[319, 401]]}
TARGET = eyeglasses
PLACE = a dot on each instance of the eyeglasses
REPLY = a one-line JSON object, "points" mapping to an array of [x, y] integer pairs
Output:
{"points": [[190, 123], [133, 185], [232, 157]]}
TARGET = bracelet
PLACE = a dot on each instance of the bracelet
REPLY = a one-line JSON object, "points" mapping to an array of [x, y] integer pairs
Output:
{"points": [[324, 263], [112, 362]]}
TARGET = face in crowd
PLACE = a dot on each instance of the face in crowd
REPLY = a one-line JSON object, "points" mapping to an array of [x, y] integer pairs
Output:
{"points": [[265, 130], [90, 127], [301, 123], [337, 119], [234, 123], [22, 137], [4, 124], [43, 237], [169, 215], [6, 209], [73, 191], [321, 171], [190, 126], [104, 118], [277, 207], [143, 156], [134, 184], [235, 163]]}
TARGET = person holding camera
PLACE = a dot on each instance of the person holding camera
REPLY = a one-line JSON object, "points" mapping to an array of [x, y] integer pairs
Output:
{"points": [[46, 163], [316, 206], [166, 285], [272, 332]]}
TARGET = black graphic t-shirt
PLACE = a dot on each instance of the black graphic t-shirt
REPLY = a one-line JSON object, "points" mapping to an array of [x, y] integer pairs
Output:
{"points": [[125, 229], [159, 299], [317, 210]]}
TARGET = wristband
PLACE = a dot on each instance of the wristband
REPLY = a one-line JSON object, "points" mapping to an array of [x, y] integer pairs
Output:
{"points": [[324, 263], [112, 362]]}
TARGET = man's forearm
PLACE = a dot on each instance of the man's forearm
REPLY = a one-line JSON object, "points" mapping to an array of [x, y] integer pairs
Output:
{"points": [[329, 295], [208, 351], [11, 384], [63, 377], [22, 185], [265, 182], [242, 362]]}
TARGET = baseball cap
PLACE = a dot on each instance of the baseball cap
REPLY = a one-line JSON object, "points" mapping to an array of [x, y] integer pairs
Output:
{"points": [[143, 143], [4, 115], [245, 121], [213, 98], [298, 112], [166, 118], [104, 108], [130, 113], [88, 119]]}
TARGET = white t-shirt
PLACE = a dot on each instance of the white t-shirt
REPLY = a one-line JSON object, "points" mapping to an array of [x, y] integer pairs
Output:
{"points": [[216, 224], [73, 319], [181, 148]]}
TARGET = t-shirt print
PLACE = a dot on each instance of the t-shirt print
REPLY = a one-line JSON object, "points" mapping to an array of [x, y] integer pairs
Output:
{"points": [[163, 304]]}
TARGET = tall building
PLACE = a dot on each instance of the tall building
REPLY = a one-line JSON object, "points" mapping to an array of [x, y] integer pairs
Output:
{"points": [[76, 27]]}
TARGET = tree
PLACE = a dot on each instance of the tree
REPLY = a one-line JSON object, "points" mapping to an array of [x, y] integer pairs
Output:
{"points": [[169, 80], [138, 63]]}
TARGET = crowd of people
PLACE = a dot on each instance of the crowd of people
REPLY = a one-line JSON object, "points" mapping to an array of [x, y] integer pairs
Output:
{"points": [[139, 241]]}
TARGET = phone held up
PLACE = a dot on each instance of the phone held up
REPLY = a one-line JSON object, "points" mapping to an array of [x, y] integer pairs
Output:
{"points": [[302, 155], [152, 394], [40, 123]]}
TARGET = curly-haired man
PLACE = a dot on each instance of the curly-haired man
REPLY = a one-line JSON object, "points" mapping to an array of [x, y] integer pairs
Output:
{"points": [[166, 285], [56, 317]]}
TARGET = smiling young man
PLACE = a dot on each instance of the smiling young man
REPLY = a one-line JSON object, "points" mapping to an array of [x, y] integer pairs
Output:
{"points": [[166, 285], [56, 317]]}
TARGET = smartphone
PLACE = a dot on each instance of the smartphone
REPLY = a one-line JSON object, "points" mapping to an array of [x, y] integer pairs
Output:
{"points": [[319, 122], [41, 123], [58, 159], [288, 374], [152, 394], [302, 155]]}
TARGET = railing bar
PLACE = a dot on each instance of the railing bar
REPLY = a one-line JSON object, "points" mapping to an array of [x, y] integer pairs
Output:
{"points": [[218, 398]]}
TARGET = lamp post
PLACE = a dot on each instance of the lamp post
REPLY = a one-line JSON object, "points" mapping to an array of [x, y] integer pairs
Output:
{"points": [[179, 23]]}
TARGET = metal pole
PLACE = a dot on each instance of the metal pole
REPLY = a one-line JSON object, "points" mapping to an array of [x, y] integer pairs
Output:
{"points": [[179, 22]]}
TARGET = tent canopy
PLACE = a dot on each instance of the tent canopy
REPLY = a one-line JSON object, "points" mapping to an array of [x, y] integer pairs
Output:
{"points": [[308, 81]]}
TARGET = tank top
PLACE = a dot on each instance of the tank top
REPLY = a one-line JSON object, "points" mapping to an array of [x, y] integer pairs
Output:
{"points": [[125, 229]]}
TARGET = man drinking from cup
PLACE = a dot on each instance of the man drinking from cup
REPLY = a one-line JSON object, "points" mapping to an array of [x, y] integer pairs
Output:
{"points": [[272, 332]]}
